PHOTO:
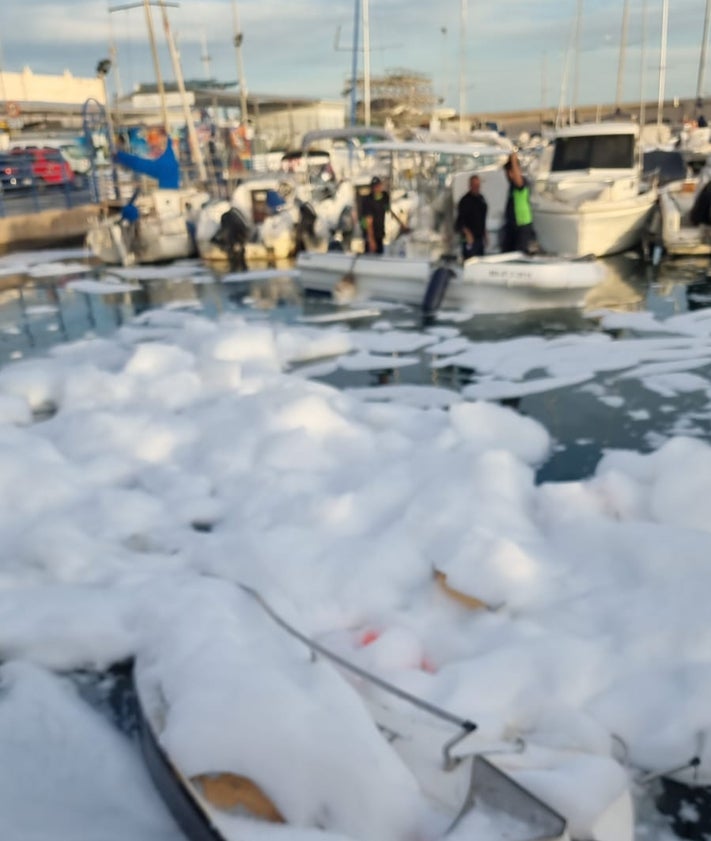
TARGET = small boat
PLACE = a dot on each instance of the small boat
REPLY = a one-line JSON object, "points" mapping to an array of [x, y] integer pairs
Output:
{"points": [[158, 228], [494, 283], [441, 770], [203, 806]]}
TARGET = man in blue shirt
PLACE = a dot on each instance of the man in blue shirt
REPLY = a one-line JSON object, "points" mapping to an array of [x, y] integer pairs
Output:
{"points": [[162, 165]]}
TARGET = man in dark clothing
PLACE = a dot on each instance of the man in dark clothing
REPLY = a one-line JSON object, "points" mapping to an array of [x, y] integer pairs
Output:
{"points": [[471, 220], [375, 205]]}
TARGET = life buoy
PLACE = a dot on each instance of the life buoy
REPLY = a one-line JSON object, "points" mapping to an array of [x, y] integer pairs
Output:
{"points": [[13, 109]]}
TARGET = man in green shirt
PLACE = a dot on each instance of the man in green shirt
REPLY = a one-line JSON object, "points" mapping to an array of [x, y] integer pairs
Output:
{"points": [[518, 234]]}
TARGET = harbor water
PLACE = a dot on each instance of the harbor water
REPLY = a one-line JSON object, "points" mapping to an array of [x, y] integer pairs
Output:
{"points": [[53, 297]]}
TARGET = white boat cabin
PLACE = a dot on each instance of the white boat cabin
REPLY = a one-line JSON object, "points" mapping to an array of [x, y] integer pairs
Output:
{"points": [[587, 158]]}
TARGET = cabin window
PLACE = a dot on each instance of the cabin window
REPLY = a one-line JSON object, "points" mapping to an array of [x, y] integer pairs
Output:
{"points": [[609, 151]]}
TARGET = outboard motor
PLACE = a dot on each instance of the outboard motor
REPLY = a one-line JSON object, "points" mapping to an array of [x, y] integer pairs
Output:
{"points": [[346, 225], [700, 213], [306, 226], [231, 236], [436, 290]]}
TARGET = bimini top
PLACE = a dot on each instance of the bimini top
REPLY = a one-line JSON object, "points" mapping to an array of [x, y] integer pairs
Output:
{"points": [[357, 133], [474, 150]]}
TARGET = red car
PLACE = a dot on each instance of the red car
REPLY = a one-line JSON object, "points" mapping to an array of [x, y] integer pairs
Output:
{"points": [[48, 165]]}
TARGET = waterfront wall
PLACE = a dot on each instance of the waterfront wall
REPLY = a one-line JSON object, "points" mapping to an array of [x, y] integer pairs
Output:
{"points": [[47, 228]]}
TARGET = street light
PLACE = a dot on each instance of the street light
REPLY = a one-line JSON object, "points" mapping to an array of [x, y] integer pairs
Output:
{"points": [[103, 67]]}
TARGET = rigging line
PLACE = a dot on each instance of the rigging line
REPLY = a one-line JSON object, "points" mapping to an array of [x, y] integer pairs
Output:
{"points": [[466, 725]]}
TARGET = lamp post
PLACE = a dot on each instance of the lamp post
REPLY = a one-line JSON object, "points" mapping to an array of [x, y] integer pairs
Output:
{"points": [[238, 39], [102, 69]]}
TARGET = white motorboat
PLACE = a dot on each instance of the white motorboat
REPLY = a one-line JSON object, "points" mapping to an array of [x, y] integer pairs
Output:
{"points": [[496, 283], [589, 194], [681, 227], [159, 229]]}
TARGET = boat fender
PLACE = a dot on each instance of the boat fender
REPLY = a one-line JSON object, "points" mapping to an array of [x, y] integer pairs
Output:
{"points": [[436, 289]]}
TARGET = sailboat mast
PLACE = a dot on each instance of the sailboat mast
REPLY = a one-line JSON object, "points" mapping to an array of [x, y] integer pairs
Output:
{"points": [[195, 151], [156, 65], [662, 61], [702, 59], [366, 62], [462, 63], [623, 48], [354, 65], [240, 65], [576, 82], [642, 69]]}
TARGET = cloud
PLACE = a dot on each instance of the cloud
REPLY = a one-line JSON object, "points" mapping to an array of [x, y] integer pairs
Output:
{"points": [[291, 48]]}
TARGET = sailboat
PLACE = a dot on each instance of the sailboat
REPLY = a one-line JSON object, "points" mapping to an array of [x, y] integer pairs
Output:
{"points": [[157, 225]]}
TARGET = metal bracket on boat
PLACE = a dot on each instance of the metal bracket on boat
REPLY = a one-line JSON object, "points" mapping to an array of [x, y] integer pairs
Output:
{"points": [[451, 762], [518, 745], [694, 762]]}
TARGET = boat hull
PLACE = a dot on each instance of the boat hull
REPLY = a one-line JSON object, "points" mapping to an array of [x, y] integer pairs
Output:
{"points": [[597, 228], [163, 231], [500, 283], [192, 819], [678, 236]]}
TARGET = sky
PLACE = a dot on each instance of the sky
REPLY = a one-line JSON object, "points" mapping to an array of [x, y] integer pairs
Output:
{"points": [[515, 51], [146, 475]]}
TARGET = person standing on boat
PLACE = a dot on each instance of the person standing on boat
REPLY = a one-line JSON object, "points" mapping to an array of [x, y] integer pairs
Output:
{"points": [[162, 164], [517, 234], [375, 206], [471, 220]]}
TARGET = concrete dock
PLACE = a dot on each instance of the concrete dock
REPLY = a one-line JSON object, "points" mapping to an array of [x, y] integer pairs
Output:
{"points": [[47, 228]]}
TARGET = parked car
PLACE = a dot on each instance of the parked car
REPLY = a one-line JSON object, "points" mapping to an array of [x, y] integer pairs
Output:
{"points": [[14, 173], [48, 165]]}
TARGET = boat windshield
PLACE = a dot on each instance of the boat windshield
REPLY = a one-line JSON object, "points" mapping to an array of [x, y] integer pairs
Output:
{"points": [[597, 151]]}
